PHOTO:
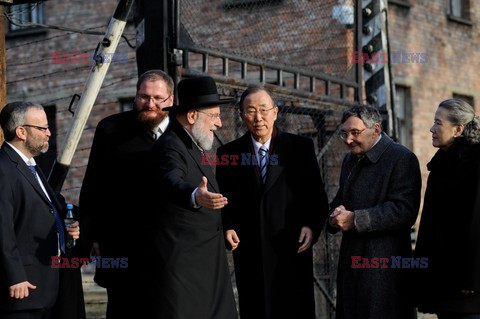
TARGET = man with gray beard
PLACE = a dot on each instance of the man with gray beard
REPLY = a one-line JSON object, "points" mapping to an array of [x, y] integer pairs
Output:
{"points": [[116, 188], [191, 264]]}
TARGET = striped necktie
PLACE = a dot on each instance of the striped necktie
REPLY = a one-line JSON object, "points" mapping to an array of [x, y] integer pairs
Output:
{"points": [[58, 221], [262, 154]]}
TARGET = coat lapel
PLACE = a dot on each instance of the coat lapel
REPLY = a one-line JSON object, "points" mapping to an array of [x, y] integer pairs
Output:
{"points": [[253, 176], [25, 171], [280, 149], [195, 154], [205, 169]]}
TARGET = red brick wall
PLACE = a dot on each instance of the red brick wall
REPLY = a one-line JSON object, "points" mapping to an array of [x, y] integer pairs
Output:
{"points": [[453, 57], [30, 58]]}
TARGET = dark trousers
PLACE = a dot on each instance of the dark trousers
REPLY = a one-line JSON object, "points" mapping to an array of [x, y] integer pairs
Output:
{"points": [[28, 314], [120, 303]]}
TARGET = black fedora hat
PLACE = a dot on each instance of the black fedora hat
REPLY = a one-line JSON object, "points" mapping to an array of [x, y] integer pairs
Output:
{"points": [[198, 92]]}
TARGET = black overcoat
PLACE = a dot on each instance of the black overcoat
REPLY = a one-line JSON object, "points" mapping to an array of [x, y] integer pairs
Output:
{"points": [[115, 198], [273, 280], [115, 192], [449, 234], [383, 189], [28, 238], [189, 250]]}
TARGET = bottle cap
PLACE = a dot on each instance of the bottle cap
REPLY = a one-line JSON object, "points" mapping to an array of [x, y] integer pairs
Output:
{"points": [[69, 206]]}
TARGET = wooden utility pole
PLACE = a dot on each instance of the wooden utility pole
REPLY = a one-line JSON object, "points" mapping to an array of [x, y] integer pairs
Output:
{"points": [[3, 71], [94, 82]]}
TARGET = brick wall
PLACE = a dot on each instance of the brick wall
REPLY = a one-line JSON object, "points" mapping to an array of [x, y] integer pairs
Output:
{"points": [[453, 55], [32, 75]]}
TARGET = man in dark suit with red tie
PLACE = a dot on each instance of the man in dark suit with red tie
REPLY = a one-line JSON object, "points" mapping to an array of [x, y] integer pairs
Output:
{"points": [[277, 208], [31, 229]]}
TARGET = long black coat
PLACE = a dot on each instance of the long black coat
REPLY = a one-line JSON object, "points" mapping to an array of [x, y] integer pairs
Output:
{"points": [[273, 280], [190, 254], [449, 234], [114, 192], [114, 197], [383, 189], [28, 238]]}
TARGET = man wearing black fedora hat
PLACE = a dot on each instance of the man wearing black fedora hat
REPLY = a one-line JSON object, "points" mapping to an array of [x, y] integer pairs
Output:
{"points": [[193, 277]]}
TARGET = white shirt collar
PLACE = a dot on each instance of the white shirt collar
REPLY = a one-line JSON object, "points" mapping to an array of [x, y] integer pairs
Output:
{"points": [[257, 145], [378, 140], [162, 126], [28, 161]]}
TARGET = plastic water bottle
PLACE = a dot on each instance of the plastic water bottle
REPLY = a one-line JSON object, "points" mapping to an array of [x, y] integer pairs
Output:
{"points": [[69, 219]]}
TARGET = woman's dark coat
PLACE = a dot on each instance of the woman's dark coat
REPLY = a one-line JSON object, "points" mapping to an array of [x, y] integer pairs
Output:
{"points": [[449, 234]]}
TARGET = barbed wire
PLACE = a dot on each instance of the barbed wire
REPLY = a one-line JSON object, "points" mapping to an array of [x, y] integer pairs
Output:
{"points": [[11, 19], [62, 87], [46, 39], [46, 58], [21, 10], [49, 74]]}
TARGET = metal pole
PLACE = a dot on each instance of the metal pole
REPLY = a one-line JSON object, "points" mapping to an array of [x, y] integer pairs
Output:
{"points": [[105, 49]]}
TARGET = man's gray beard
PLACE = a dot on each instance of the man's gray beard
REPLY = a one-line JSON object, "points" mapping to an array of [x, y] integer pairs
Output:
{"points": [[203, 140], [34, 150]]}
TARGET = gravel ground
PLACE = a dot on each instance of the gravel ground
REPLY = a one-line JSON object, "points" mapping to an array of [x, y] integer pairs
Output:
{"points": [[426, 316]]}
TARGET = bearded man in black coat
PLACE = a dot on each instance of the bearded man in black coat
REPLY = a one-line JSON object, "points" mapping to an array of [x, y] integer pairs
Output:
{"points": [[116, 189], [192, 270]]}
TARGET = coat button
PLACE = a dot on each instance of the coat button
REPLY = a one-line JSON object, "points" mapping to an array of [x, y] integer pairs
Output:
{"points": [[51, 211]]}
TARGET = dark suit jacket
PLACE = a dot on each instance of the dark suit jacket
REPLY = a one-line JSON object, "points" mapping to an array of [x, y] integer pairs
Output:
{"points": [[28, 237], [273, 280], [114, 189], [190, 249]]}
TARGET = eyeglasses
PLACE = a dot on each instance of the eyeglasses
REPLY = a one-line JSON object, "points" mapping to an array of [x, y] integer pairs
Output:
{"points": [[40, 128], [355, 133], [253, 113], [213, 116], [156, 100]]}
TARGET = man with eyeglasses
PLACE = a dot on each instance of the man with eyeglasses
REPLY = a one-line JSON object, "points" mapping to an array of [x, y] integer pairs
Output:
{"points": [[117, 188], [375, 207], [190, 261], [31, 220], [277, 209]]}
